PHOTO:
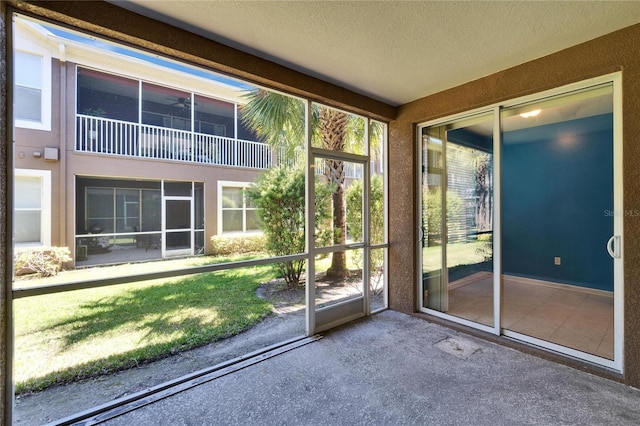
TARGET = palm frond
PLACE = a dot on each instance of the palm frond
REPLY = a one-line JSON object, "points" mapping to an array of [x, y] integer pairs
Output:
{"points": [[279, 120], [276, 119]]}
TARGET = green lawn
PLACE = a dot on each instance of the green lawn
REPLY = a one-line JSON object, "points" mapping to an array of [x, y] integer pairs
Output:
{"points": [[69, 336], [99, 272], [457, 254]]}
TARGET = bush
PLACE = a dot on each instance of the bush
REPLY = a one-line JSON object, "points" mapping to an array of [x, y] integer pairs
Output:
{"points": [[279, 195], [376, 210], [44, 261], [233, 246], [376, 229], [486, 247], [432, 214]]}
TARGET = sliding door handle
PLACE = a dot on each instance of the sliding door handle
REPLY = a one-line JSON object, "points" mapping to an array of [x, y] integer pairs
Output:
{"points": [[613, 246]]}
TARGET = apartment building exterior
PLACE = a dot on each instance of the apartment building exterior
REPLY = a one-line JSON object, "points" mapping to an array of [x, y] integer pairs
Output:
{"points": [[183, 154]]}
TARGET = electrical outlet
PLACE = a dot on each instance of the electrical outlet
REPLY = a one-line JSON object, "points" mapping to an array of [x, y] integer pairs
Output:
{"points": [[557, 260]]}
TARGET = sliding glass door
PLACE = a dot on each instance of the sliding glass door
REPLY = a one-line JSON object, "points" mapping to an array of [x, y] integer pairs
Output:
{"points": [[457, 218], [557, 219], [521, 221]]}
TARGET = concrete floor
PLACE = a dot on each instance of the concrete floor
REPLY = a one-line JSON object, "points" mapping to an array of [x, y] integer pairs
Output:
{"points": [[396, 369], [123, 254]]}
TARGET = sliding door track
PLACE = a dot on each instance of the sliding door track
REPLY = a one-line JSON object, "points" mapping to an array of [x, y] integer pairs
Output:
{"points": [[150, 395]]}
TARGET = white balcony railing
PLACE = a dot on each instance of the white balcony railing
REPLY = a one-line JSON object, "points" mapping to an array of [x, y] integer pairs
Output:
{"points": [[115, 137], [106, 136]]}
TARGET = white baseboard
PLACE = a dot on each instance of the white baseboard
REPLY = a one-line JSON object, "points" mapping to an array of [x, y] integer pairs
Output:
{"points": [[483, 275]]}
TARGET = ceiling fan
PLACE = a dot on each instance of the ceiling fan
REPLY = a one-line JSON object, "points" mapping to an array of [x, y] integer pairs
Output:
{"points": [[182, 102]]}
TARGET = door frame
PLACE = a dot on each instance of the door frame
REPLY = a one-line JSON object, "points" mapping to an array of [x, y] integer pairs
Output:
{"points": [[324, 318], [619, 213], [181, 252]]}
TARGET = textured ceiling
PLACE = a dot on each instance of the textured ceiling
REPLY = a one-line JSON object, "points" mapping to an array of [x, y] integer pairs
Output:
{"points": [[396, 51]]}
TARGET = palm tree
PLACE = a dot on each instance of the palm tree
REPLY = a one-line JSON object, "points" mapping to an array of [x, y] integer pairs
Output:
{"points": [[279, 120]]}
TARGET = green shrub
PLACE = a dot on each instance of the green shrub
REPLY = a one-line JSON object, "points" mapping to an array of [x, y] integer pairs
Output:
{"points": [[486, 247], [376, 210], [279, 195], [44, 261], [376, 229], [236, 245], [432, 214]]}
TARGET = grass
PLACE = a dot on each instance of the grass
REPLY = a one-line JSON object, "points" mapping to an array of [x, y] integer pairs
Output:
{"points": [[70, 336], [60, 338], [98, 272], [457, 254]]}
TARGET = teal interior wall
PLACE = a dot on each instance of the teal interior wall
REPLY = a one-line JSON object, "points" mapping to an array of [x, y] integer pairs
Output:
{"points": [[557, 200]]}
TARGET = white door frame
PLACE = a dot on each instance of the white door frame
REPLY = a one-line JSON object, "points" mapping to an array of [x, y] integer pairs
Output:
{"points": [[181, 252], [353, 308], [342, 312]]}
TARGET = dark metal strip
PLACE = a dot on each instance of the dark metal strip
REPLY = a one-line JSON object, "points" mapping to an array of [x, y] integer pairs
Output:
{"points": [[148, 396]]}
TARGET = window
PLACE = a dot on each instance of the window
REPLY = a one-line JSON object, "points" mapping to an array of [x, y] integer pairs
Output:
{"points": [[120, 210], [32, 199], [28, 90], [32, 90], [107, 96], [214, 117], [236, 213], [166, 107], [115, 97]]}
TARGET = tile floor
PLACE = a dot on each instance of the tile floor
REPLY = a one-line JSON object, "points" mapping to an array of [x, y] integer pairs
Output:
{"points": [[566, 315]]}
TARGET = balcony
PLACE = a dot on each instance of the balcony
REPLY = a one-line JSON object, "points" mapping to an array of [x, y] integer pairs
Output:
{"points": [[99, 135], [114, 137]]}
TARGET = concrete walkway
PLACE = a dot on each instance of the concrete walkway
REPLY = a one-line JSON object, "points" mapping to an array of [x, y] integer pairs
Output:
{"points": [[396, 369]]}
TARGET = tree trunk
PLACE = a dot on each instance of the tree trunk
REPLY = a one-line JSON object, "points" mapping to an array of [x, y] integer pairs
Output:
{"points": [[333, 128], [338, 266]]}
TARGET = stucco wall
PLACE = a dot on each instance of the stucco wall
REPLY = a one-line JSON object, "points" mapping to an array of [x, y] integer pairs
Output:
{"points": [[29, 143], [614, 52], [80, 164]]}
